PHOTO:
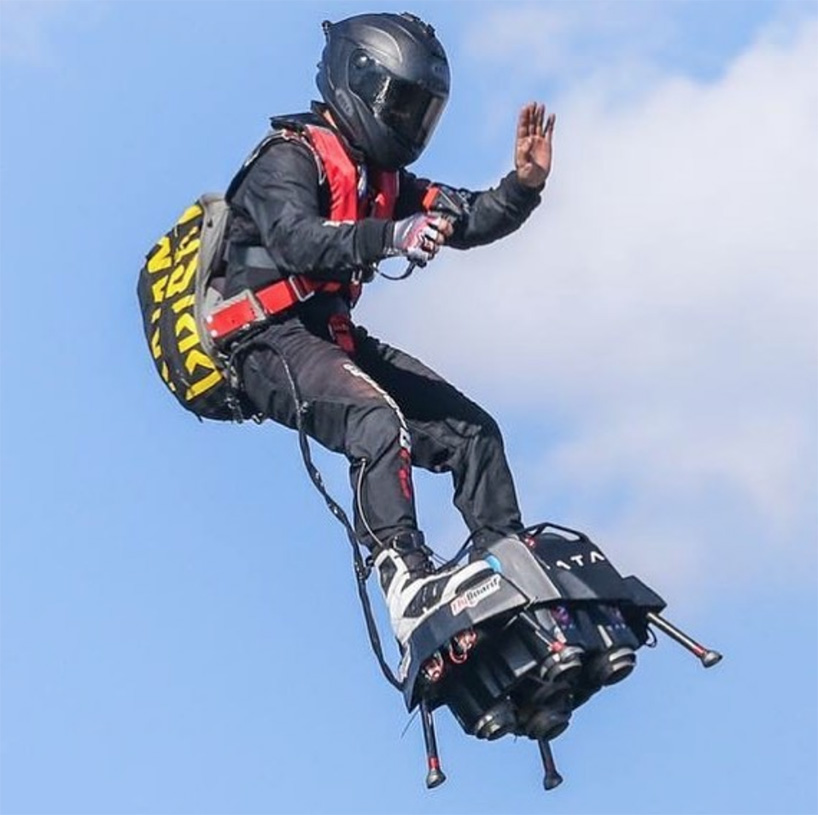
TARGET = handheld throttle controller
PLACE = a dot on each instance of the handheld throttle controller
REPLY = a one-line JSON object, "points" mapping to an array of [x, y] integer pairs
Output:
{"points": [[449, 203]]}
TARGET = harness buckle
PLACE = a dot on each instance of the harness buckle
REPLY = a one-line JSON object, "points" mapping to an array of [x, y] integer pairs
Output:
{"points": [[237, 313], [299, 288]]}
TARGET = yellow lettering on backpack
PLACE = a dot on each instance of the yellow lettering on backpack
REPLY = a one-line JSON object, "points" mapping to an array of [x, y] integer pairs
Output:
{"points": [[189, 214], [196, 359], [156, 348], [177, 349], [183, 303], [186, 323], [165, 372], [181, 276], [188, 243], [158, 289], [210, 381], [160, 257]]}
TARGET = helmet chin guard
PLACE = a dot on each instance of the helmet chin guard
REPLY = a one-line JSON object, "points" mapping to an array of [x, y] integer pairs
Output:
{"points": [[385, 79]]}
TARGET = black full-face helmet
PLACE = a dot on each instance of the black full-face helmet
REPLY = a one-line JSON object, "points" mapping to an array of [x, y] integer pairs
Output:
{"points": [[385, 79]]}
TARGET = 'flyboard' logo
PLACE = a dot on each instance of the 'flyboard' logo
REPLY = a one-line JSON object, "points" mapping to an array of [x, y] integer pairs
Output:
{"points": [[472, 597]]}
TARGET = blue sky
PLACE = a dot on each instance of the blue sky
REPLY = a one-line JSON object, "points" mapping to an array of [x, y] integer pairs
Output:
{"points": [[180, 631]]}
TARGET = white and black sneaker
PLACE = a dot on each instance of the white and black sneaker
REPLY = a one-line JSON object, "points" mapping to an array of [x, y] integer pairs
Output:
{"points": [[413, 591]]}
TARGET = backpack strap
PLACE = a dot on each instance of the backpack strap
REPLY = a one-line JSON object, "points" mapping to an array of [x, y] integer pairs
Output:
{"points": [[258, 151]]}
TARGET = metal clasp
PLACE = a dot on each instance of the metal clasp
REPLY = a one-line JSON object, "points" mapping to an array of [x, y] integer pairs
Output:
{"points": [[297, 288]]}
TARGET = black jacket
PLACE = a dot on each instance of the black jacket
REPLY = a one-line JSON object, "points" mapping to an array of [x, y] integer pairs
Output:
{"points": [[282, 204]]}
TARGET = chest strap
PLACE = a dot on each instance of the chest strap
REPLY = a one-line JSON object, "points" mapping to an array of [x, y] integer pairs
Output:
{"points": [[248, 308]]}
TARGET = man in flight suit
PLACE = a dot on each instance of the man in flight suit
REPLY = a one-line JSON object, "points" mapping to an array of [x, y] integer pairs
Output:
{"points": [[328, 199]]}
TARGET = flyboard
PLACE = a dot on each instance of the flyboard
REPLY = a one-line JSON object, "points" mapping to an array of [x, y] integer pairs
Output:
{"points": [[518, 652]]}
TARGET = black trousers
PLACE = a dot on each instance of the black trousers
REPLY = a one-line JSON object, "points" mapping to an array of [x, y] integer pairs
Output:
{"points": [[386, 412]]}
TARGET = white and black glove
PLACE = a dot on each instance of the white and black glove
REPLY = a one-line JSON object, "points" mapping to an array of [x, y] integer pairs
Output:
{"points": [[418, 237]]}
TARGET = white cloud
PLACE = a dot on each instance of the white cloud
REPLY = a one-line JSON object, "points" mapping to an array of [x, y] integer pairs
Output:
{"points": [[661, 310], [559, 39]]}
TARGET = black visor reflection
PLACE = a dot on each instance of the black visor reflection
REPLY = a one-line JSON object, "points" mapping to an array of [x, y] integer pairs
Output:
{"points": [[411, 111]]}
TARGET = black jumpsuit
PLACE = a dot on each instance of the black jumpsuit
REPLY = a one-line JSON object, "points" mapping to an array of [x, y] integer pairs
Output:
{"points": [[383, 409]]}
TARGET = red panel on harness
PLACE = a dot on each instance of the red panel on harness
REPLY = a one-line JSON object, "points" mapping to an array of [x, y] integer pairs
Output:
{"points": [[247, 308], [239, 313]]}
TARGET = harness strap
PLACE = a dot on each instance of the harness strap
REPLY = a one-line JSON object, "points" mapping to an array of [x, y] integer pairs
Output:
{"points": [[248, 308], [340, 329]]}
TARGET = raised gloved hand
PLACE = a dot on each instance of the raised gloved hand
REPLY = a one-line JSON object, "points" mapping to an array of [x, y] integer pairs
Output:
{"points": [[532, 148], [418, 237]]}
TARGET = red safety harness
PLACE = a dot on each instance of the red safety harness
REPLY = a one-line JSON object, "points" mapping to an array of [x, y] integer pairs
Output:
{"points": [[250, 307]]}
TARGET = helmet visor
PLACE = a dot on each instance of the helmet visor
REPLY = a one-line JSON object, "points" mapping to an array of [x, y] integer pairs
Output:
{"points": [[406, 107]]}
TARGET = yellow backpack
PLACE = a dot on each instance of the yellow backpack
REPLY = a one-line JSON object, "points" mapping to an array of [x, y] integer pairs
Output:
{"points": [[171, 289], [177, 285]]}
